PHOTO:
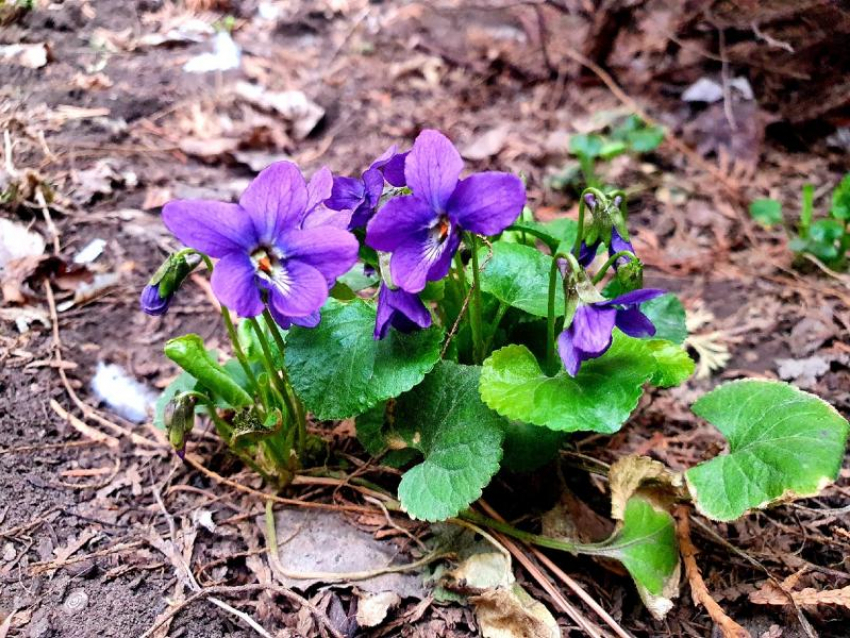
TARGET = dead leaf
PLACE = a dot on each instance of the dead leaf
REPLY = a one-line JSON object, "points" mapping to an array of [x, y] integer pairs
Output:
{"points": [[17, 241], [93, 82], [293, 106], [805, 373], [632, 473], [373, 609], [486, 145]]}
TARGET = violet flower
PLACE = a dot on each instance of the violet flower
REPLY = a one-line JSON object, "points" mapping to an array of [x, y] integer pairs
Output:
{"points": [[590, 334], [152, 302], [262, 249], [423, 230], [616, 244], [362, 195], [402, 310]]}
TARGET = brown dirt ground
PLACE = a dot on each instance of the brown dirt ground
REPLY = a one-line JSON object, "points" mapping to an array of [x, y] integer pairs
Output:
{"points": [[382, 71]]}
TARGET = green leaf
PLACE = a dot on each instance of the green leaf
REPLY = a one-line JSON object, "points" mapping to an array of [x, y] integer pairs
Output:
{"points": [[190, 354], [599, 399], [339, 370], [667, 314], [841, 200], [612, 148], [766, 212], [519, 276], [183, 383], [646, 545], [555, 233], [356, 279], [673, 364], [783, 443], [646, 139], [460, 437], [586, 145]]}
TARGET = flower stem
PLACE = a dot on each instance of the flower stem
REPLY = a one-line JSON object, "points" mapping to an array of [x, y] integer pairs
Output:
{"points": [[611, 261], [237, 348], [554, 273], [268, 360], [293, 402], [581, 206], [476, 305]]}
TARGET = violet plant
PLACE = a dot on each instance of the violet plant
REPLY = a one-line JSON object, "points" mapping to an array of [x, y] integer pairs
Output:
{"points": [[465, 338]]}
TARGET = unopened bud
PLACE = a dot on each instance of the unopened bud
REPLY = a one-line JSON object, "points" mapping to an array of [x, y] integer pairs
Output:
{"points": [[157, 295], [179, 421]]}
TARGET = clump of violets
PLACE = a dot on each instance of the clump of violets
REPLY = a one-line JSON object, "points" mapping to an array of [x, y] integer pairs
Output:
{"points": [[423, 230], [592, 329], [266, 255]]}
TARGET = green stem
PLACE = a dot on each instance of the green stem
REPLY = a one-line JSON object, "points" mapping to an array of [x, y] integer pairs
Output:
{"points": [[237, 348], [268, 360], [476, 321], [554, 274], [500, 313], [611, 261], [527, 537], [581, 206], [293, 402]]}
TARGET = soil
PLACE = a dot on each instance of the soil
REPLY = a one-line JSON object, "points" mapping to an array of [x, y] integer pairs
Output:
{"points": [[381, 71]]}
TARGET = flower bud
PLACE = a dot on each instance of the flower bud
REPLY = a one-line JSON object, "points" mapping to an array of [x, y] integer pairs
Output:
{"points": [[157, 295], [179, 421], [630, 275]]}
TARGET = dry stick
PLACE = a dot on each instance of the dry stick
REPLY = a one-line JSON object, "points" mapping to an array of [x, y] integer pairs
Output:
{"points": [[83, 428], [87, 410], [45, 210], [728, 627], [569, 582], [277, 499], [225, 590]]}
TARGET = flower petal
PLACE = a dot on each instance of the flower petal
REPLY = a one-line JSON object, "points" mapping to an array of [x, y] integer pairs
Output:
{"points": [[634, 323], [634, 297], [587, 254], [487, 203], [433, 168], [441, 266], [331, 251], [373, 180], [394, 170], [298, 290], [310, 321], [276, 200], [592, 328], [234, 284], [618, 244], [422, 258], [319, 188], [571, 356], [214, 228], [152, 303], [385, 157], [400, 219], [403, 310], [347, 193], [324, 216]]}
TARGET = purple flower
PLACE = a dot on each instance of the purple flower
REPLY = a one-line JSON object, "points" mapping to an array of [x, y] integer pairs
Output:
{"points": [[617, 244], [423, 230], [590, 334], [152, 302], [262, 248], [361, 196], [402, 310]]}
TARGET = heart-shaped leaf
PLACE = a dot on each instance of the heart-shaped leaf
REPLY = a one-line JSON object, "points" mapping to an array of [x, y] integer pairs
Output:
{"points": [[599, 399], [518, 275], [339, 370], [190, 354], [460, 437], [673, 364], [783, 443], [667, 314], [646, 545]]}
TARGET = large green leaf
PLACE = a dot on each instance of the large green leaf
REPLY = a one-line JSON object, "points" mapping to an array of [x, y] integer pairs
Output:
{"points": [[459, 436], [554, 233], [527, 446], [190, 354], [339, 370], [667, 314], [783, 443], [599, 399], [645, 543], [518, 275]]}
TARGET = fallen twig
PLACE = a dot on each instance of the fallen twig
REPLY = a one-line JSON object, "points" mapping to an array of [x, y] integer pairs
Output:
{"points": [[728, 627]]}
